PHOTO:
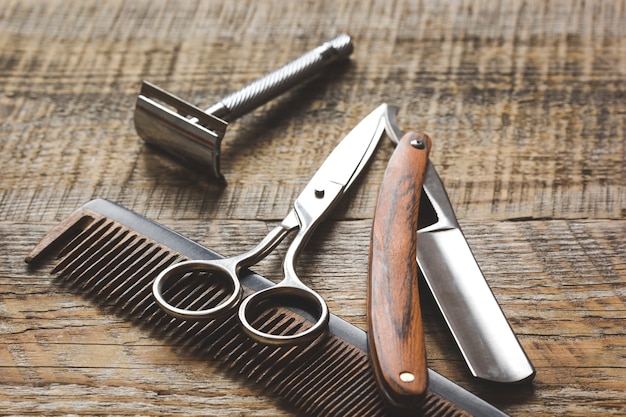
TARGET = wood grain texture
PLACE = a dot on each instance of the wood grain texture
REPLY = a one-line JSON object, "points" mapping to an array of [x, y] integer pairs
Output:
{"points": [[395, 332], [524, 101]]}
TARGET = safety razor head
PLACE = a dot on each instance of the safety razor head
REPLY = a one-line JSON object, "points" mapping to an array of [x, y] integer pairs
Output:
{"points": [[180, 128]]}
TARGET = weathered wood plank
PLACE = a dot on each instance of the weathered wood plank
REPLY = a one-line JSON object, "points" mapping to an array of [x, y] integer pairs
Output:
{"points": [[525, 104]]}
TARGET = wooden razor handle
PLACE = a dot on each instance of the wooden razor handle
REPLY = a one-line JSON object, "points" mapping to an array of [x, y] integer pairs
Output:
{"points": [[395, 334]]}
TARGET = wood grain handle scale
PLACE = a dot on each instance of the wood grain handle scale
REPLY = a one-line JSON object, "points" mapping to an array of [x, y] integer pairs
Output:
{"points": [[395, 334]]}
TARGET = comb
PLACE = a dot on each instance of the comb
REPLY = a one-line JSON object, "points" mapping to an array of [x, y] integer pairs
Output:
{"points": [[111, 255]]}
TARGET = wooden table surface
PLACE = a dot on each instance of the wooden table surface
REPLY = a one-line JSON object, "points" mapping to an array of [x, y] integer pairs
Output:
{"points": [[526, 105]]}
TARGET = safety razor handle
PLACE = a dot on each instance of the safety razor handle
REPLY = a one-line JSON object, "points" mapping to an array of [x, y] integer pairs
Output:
{"points": [[395, 333], [282, 79]]}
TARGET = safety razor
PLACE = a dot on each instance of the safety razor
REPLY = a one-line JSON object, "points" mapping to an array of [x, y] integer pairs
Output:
{"points": [[194, 135]]}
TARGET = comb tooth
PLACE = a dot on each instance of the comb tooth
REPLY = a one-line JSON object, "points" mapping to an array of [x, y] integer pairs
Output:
{"points": [[292, 364], [298, 391], [181, 290], [205, 333], [194, 291], [249, 354], [259, 369], [88, 267], [280, 323], [369, 403], [87, 254], [81, 237], [117, 281], [180, 329], [217, 335], [109, 264], [256, 359], [284, 362], [323, 379], [340, 369], [364, 378], [96, 262], [329, 404], [80, 244], [315, 361], [142, 307], [198, 336], [130, 290], [233, 350], [85, 264], [130, 287], [122, 263], [203, 336], [137, 298], [172, 327], [359, 377], [62, 232], [82, 255], [210, 297], [177, 329], [121, 288], [259, 353], [437, 407]]}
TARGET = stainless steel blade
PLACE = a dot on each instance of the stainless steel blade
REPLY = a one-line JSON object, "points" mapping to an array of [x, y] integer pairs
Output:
{"points": [[468, 305], [349, 157]]}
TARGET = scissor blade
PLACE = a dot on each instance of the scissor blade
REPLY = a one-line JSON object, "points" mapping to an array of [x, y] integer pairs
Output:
{"points": [[348, 159]]}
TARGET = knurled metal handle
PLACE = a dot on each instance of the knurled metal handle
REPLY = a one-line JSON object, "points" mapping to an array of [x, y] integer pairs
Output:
{"points": [[278, 81]]}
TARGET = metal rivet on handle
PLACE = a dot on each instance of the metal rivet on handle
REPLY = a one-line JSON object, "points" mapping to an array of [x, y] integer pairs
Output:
{"points": [[407, 377], [418, 144]]}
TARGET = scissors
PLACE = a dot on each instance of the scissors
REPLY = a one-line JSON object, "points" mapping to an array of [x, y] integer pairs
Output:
{"points": [[318, 198]]}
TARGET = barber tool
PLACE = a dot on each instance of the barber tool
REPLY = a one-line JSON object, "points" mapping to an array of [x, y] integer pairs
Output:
{"points": [[191, 134], [395, 333], [478, 325], [327, 186], [112, 255]]}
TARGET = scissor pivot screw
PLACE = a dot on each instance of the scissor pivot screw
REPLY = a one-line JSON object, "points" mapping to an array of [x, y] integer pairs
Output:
{"points": [[418, 144]]}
